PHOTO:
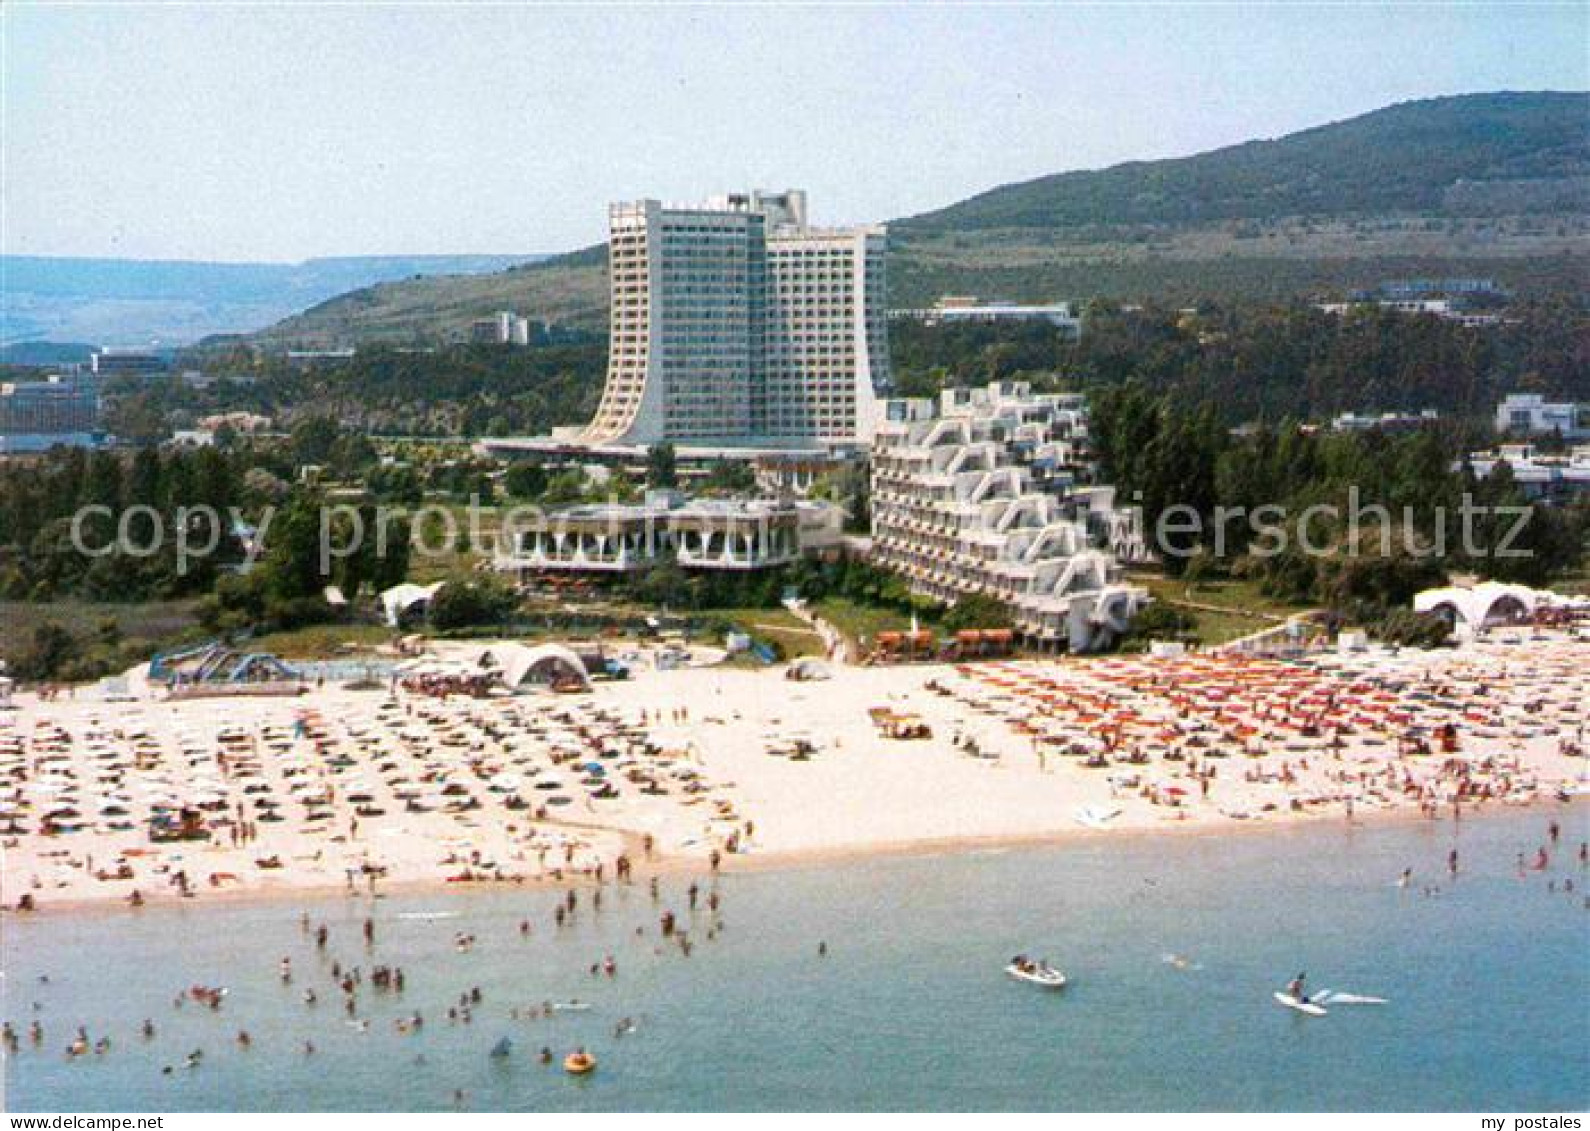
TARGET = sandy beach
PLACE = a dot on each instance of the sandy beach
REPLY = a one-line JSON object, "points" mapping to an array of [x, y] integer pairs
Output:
{"points": [[345, 790]]}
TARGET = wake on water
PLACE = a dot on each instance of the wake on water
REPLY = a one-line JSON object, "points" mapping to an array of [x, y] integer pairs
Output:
{"points": [[1339, 997]]}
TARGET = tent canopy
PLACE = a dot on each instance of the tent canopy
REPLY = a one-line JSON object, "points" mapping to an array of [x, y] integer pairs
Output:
{"points": [[519, 664]]}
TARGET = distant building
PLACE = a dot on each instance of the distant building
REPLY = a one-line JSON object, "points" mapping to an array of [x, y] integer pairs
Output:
{"points": [[1533, 415], [117, 360], [1385, 421], [1452, 309], [1417, 288], [978, 494], [501, 329], [1549, 478], [964, 308], [38, 415], [236, 421], [309, 359], [734, 323]]}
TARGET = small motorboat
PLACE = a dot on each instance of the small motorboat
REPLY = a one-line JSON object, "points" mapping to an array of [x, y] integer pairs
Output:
{"points": [[579, 1063], [1036, 971]]}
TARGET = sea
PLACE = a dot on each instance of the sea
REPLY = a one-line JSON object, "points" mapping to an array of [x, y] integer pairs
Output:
{"points": [[1174, 946]]}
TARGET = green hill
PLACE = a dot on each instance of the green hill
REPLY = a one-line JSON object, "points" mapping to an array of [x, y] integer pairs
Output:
{"points": [[1471, 155], [1484, 184]]}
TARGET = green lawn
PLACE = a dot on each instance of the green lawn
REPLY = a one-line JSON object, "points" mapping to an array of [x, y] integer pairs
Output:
{"points": [[863, 620], [778, 625], [154, 622], [1243, 608], [460, 555], [1575, 583], [320, 641]]}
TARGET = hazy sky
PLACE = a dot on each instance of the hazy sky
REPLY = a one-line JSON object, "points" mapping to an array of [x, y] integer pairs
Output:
{"points": [[291, 130]]}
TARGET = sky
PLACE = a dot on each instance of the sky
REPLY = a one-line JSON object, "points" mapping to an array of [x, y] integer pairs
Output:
{"points": [[287, 131]]}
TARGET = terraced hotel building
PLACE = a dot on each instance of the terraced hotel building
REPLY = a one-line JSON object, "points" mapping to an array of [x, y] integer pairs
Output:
{"points": [[982, 492]]}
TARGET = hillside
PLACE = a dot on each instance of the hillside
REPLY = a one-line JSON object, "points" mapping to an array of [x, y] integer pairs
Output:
{"points": [[569, 290], [1476, 155], [1485, 184]]}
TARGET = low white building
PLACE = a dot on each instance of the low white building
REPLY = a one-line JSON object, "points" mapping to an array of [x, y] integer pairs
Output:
{"points": [[1063, 316], [977, 494], [708, 534]]}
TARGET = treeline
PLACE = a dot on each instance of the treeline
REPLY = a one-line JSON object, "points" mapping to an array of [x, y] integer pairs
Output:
{"points": [[1273, 362], [125, 511], [470, 390], [1366, 518], [1254, 361], [164, 523]]}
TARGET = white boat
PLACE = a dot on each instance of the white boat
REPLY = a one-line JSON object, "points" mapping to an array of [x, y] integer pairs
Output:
{"points": [[1301, 1005], [1038, 973]]}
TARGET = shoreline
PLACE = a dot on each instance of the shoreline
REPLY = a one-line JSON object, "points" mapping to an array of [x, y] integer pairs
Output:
{"points": [[1168, 831]]}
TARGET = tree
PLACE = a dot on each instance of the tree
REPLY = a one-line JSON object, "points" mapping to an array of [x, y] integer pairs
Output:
{"points": [[313, 439], [50, 647], [978, 610], [662, 584], [567, 486], [466, 602], [525, 480], [661, 466], [291, 568], [728, 475]]}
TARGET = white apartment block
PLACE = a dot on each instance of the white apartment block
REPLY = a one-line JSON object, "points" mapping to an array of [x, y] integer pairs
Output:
{"points": [[1532, 414], [977, 494], [734, 322]]}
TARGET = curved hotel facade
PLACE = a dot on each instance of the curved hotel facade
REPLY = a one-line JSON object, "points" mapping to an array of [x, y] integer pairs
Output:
{"points": [[735, 323]]}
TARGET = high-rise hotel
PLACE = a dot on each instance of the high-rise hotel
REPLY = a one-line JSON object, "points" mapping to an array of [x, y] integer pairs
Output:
{"points": [[734, 323]]}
